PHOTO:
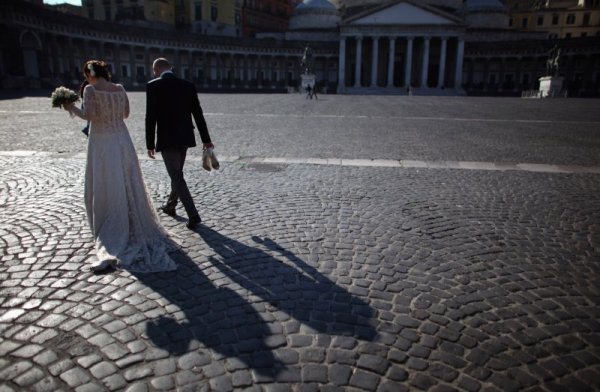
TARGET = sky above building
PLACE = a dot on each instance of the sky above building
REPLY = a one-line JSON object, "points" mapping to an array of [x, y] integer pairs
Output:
{"points": [[75, 2]]}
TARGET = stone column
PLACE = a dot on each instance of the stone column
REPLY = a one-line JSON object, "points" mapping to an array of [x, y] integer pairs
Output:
{"points": [[442, 70], [282, 71], [45, 69], [471, 70], [408, 68], [460, 53], [588, 73], [501, 73], [517, 81], [425, 62], [86, 51], [342, 65], [245, 71], [375, 62], [358, 66], [70, 56], [191, 66], [147, 64], [241, 64], [569, 80], [102, 50], [391, 61], [219, 69], [258, 68], [270, 69], [55, 56], [206, 71], [252, 75], [131, 62], [177, 63], [117, 58], [486, 74], [232, 68]]}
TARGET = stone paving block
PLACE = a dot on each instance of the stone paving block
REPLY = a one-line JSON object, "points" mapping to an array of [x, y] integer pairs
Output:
{"points": [[188, 377], [340, 374], [74, 377], [28, 378], [113, 351], [384, 272], [88, 360], [373, 363], [102, 370], [364, 380], [241, 378], [48, 384], [314, 373], [164, 383], [90, 387], [132, 374], [278, 388]]}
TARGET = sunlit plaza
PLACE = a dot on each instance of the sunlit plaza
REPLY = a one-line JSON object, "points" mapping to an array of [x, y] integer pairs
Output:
{"points": [[348, 243]]}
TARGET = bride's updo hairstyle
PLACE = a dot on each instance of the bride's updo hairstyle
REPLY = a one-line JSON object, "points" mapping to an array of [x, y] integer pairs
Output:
{"points": [[97, 69]]}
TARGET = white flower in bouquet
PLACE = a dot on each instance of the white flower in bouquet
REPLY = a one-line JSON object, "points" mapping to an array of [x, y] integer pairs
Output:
{"points": [[63, 95]]}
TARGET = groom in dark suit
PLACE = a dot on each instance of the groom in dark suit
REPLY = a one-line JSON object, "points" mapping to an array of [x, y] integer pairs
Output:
{"points": [[170, 104]]}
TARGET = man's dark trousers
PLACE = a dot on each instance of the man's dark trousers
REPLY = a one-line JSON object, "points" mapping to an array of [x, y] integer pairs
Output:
{"points": [[174, 159]]}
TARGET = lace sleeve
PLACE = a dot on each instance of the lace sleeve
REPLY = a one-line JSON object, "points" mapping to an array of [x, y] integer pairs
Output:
{"points": [[88, 108]]}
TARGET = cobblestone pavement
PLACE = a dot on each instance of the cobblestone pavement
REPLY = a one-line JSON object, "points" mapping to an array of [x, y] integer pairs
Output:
{"points": [[309, 277], [559, 131]]}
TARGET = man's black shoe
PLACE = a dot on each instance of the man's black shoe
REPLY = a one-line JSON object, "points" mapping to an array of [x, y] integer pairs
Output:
{"points": [[167, 210], [193, 222]]}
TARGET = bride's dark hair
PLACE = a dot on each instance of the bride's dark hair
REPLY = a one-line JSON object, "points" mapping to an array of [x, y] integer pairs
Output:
{"points": [[96, 68]]}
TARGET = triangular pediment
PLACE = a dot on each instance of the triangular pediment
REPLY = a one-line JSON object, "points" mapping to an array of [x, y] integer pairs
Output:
{"points": [[402, 13]]}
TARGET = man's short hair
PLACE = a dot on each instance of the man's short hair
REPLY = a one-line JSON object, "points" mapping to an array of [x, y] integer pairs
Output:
{"points": [[161, 63]]}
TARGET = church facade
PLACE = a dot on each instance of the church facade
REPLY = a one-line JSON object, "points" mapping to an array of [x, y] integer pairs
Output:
{"points": [[401, 46], [371, 47]]}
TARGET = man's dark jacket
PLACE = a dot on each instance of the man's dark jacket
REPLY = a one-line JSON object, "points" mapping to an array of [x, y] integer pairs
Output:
{"points": [[170, 104]]}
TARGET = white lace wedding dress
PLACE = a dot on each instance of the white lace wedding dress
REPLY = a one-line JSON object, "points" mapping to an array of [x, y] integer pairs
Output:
{"points": [[124, 224]]}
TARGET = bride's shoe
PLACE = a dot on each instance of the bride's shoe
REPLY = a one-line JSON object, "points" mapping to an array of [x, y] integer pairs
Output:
{"points": [[102, 265]]}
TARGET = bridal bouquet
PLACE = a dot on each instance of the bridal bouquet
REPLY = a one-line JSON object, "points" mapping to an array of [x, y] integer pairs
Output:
{"points": [[63, 95]]}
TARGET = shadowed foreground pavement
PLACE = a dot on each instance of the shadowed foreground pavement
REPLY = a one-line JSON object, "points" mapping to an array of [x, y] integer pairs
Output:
{"points": [[311, 277]]}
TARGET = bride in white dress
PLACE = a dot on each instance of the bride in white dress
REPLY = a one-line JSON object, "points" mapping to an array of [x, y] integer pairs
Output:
{"points": [[125, 226]]}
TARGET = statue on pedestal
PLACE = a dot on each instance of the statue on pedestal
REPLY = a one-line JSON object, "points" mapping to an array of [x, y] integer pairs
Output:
{"points": [[551, 85], [552, 62], [307, 61], [308, 78]]}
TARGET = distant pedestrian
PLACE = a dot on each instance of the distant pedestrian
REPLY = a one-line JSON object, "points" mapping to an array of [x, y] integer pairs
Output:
{"points": [[308, 91], [314, 92]]}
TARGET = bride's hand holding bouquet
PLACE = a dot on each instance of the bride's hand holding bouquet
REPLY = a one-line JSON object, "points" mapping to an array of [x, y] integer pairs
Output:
{"points": [[64, 97]]}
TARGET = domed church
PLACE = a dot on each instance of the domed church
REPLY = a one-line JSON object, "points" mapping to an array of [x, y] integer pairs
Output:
{"points": [[426, 47]]}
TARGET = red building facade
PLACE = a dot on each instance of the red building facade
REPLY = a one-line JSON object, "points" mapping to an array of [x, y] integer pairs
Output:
{"points": [[266, 15]]}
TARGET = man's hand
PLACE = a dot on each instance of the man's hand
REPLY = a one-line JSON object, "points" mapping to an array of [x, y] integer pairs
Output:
{"points": [[206, 146], [151, 153]]}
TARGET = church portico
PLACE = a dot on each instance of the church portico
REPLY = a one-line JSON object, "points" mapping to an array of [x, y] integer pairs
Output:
{"points": [[404, 45], [391, 64]]}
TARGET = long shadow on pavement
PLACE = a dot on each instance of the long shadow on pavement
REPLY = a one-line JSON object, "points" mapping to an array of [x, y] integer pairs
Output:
{"points": [[237, 325], [299, 289], [218, 317]]}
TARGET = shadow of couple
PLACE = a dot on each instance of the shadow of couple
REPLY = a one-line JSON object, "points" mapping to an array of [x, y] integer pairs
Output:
{"points": [[255, 297]]}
